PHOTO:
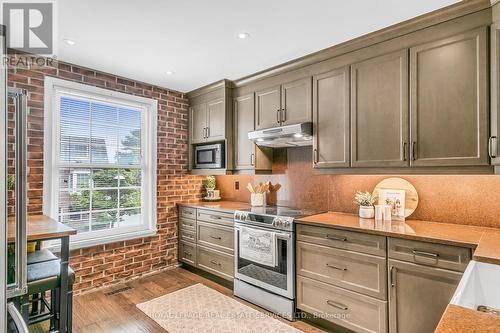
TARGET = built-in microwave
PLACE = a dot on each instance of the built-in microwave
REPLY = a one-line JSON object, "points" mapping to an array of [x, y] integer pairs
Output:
{"points": [[209, 156]]}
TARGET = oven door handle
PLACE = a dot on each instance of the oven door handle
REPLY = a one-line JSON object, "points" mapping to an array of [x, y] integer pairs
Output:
{"points": [[278, 234]]}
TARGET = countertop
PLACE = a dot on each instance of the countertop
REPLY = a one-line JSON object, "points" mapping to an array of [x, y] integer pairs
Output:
{"points": [[458, 319], [485, 241], [40, 227], [228, 206]]}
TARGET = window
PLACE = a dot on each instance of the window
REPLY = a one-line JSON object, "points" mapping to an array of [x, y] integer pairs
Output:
{"points": [[100, 162]]}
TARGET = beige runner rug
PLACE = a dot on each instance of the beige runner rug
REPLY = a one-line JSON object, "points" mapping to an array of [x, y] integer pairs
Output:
{"points": [[199, 309]]}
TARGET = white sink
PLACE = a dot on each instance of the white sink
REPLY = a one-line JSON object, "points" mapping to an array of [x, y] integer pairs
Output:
{"points": [[480, 285]]}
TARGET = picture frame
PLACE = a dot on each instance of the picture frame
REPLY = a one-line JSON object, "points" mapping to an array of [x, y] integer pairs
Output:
{"points": [[394, 198]]}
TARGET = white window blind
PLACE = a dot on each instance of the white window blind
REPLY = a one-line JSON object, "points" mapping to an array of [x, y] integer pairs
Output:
{"points": [[101, 168]]}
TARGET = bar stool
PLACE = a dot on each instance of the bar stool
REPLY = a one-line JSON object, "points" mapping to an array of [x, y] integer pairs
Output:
{"points": [[38, 256], [43, 277]]}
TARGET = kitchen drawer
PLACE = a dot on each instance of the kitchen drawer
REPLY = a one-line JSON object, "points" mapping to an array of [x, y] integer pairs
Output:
{"points": [[187, 235], [215, 262], [216, 236], [342, 239], [351, 310], [187, 253], [187, 212], [430, 254], [212, 216], [187, 224], [362, 273]]}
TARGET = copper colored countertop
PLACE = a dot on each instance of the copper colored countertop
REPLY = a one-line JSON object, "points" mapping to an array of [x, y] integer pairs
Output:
{"points": [[488, 249], [229, 206], [458, 319], [487, 240]]}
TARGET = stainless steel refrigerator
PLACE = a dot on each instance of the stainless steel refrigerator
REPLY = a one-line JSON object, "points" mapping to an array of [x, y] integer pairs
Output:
{"points": [[13, 206]]}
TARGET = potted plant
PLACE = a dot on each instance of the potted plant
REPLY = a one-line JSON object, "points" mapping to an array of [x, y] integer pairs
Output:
{"points": [[365, 200], [209, 183]]}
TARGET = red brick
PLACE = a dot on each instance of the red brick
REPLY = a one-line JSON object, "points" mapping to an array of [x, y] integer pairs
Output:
{"points": [[120, 261]]}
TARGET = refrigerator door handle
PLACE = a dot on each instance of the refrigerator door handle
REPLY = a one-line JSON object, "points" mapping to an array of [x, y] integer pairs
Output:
{"points": [[17, 318], [20, 100]]}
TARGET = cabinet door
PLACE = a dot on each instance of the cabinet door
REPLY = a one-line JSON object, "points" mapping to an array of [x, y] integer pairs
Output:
{"points": [[494, 149], [216, 120], [244, 112], [296, 101], [268, 106], [418, 296], [449, 117], [379, 111], [198, 122], [331, 119]]}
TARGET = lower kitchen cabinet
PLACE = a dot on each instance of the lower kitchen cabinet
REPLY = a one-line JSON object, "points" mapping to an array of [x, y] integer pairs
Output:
{"points": [[418, 296], [215, 262], [206, 240], [187, 253], [348, 309]]}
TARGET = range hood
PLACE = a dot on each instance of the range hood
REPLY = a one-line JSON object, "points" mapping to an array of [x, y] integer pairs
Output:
{"points": [[296, 135]]}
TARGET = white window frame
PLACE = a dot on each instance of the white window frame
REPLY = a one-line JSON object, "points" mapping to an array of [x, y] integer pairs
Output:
{"points": [[54, 88]]}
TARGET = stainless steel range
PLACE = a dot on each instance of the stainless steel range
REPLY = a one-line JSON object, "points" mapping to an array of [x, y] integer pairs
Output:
{"points": [[265, 257]]}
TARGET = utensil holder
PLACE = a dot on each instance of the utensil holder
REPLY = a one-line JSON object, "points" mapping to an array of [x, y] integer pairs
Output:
{"points": [[257, 199]]}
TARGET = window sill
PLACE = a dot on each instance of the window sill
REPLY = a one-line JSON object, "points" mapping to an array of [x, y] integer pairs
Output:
{"points": [[76, 244]]}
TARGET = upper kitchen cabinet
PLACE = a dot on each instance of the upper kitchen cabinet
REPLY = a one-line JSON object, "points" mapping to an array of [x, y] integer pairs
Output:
{"points": [[207, 121], [331, 119], [494, 146], [268, 107], [210, 120], [379, 111], [449, 101], [247, 156], [216, 120], [285, 104], [296, 101], [198, 122]]}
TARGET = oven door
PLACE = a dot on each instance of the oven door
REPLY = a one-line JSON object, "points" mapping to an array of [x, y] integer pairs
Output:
{"points": [[279, 279], [208, 157]]}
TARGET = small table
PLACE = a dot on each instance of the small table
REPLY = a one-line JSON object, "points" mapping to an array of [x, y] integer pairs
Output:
{"points": [[43, 228]]}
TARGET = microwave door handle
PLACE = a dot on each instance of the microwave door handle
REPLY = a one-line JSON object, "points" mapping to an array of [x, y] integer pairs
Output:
{"points": [[20, 188]]}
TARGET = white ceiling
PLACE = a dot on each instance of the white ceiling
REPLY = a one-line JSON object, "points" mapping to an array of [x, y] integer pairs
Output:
{"points": [[197, 40]]}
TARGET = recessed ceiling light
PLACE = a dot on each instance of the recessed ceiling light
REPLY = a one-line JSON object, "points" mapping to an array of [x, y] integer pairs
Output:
{"points": [[69, 42], [243, 35], [170, 73]]}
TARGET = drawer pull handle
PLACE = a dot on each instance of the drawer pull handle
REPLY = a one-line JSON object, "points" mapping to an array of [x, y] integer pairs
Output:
{"points": [[215, 262], [337, 305], [216, 237], [425, 254], [337, 238], [213, 217], [337, 267]]}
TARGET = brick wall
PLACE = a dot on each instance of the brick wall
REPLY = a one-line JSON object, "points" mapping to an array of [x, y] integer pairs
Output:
{"points": [[115, 262]]}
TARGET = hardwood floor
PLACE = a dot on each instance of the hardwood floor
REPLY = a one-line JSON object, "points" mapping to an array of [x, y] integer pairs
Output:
{"points": [[114, 309]]}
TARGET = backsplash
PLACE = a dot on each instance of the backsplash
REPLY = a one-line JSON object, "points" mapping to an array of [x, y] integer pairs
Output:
{"points": [[460, 199]]}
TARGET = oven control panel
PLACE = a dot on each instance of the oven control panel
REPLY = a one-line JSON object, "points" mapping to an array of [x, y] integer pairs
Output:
{"points": [[264, 220], [284, 223]]}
